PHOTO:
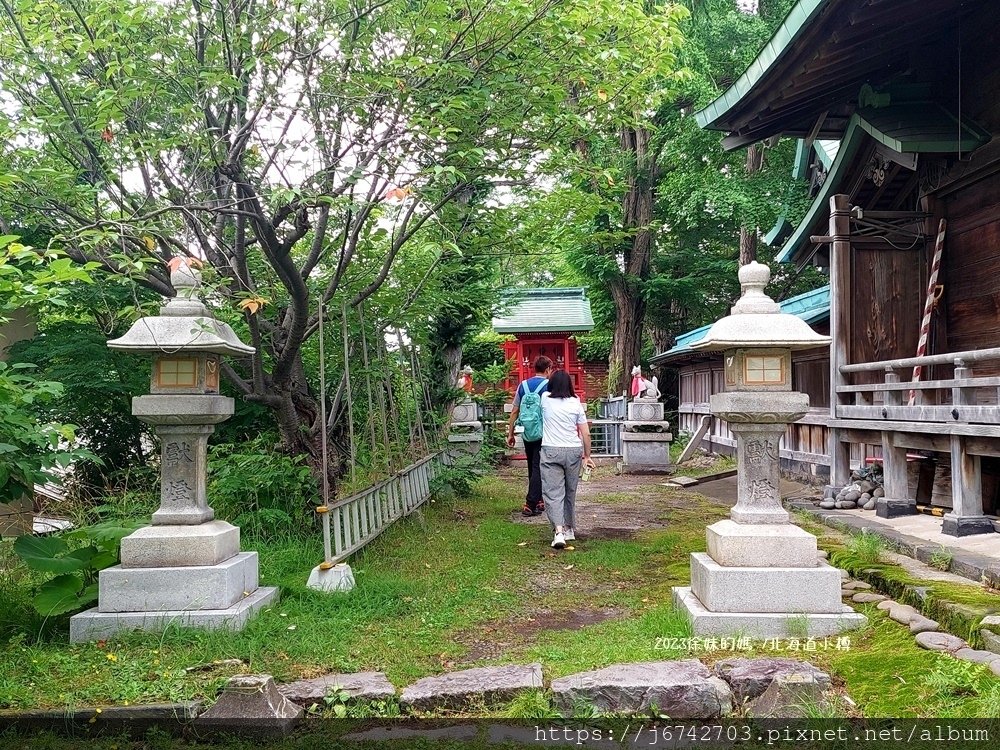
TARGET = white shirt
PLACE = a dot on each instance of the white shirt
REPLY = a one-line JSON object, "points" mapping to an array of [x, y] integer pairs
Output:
{"points": [[560, 417]]}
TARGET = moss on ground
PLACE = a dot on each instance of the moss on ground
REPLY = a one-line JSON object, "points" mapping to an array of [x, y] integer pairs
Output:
{"points": [[459, 586]]}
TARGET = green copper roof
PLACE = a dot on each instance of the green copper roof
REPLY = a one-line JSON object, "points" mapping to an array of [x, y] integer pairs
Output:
{"points": [[793, 25], [812, 307], [918, 127], [545, 311]]}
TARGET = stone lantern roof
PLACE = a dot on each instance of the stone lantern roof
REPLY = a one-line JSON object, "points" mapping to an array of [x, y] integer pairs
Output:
{"points": [[184, 324], [756, 320]]}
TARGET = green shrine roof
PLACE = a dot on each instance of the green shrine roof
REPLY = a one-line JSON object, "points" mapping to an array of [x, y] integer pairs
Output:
{"points": [[812, 307], [547, 310]]}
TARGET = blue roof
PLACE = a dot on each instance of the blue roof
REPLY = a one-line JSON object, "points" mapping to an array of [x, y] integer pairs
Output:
{"points": [[811, 307]]}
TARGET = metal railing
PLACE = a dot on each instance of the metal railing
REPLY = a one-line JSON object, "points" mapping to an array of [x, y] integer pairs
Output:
{"points": [[358, 519], [606, 437]]}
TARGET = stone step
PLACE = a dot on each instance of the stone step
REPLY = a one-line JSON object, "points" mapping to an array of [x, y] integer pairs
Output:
{"points": [[193, 587], [732, 544], [173, 546], [678, 689], [359, 686], [814, 590], [481, 686], [94, 625]]}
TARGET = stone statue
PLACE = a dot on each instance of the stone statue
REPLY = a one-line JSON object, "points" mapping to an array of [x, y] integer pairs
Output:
{"points": [[465, 379], [642, 389]]}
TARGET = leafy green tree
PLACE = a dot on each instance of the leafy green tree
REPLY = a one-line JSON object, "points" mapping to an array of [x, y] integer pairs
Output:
{"points": [[301, 148], [29, 447]]}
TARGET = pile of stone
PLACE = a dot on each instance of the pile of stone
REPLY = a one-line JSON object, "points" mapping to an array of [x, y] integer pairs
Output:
{"points": [[865, 489]]}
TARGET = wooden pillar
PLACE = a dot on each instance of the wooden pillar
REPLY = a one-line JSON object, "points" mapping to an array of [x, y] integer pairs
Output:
{"points": [[840, 329], [897, 500], [966, 516]]}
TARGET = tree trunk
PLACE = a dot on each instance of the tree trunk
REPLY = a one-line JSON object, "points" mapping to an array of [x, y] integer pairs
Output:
{"points": [[748, 233], [627, 289]]}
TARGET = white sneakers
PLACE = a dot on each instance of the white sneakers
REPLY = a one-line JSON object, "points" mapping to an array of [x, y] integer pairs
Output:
{"points": [[559, 541], [569, 535]]}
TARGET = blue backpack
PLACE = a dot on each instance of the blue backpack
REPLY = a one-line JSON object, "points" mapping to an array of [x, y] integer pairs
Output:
{"points": [[530, 413]]}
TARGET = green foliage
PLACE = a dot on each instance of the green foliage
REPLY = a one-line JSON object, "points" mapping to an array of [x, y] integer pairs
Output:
{"points": [[862, 550], [484, 349], [75, 558], [97, 386], [28, 447], [264, 492], [594, 347]]}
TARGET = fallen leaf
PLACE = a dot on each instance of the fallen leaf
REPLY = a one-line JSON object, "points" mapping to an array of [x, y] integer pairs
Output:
{"points": [[523, 544], [645, 600], [427, 565], [570, 546], [149, 242], [568, 567], [292, 627]]}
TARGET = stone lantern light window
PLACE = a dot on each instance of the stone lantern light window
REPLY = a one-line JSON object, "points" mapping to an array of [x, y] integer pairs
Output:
{"points": [[177, 372], [759, 370]]}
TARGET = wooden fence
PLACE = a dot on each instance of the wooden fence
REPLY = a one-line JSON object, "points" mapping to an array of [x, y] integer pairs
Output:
{"points": [[358, 519]]}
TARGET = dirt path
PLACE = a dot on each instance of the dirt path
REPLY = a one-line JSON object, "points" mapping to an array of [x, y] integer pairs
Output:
{"points": [[610, 508]]}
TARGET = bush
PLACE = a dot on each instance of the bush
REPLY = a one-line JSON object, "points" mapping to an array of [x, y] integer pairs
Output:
{"points": [[264, 492], [483, 350]]}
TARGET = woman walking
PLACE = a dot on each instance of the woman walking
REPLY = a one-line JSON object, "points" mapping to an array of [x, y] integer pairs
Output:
{"points": [[565, 446]]}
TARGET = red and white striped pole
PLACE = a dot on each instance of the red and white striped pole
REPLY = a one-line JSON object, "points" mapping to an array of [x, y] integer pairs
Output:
{"points": [[929, 301]]}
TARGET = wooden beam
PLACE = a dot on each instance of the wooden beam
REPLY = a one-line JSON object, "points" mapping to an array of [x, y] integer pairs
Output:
{"points": [[840, 328]]}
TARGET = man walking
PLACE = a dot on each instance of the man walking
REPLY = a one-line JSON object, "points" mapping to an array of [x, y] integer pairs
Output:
{"points": [[528, 413]]}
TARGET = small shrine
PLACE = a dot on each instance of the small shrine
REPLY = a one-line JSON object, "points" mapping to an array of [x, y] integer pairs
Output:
{"points": [[542, 322]]}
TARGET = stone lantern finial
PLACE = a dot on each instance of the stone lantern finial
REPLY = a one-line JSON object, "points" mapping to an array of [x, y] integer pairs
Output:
{"points": [[754, 277]]}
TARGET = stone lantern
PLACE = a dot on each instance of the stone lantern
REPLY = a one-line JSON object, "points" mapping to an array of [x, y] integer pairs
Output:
{"points": [[762, 574], [186, 567]]}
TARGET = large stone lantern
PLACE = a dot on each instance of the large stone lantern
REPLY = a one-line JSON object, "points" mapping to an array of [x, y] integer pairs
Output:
{"points": [[762, 576], [185, 568]]}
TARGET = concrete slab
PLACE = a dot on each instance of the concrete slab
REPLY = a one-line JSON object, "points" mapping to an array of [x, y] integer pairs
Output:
{"points": [[755, 590], [94, 625], [763, 625], [188, 587]]}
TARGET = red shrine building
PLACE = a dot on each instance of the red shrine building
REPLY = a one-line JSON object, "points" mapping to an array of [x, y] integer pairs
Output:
{"points": [[543, 322]]}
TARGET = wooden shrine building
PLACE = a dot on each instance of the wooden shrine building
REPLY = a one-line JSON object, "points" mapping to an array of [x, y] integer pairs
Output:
{"points": [[542, 322], [907, 221]]}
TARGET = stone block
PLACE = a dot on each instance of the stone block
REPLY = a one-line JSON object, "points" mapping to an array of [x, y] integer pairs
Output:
{"points": [[179, 588], [250, 705], [763, 624], [678, 689], [755, 590], [489, 686], [94, 625], [953, 525], [934, 641], [656, 428], [646, 450], [749, 678], [733, 544], [976, 656], [185, 409], [790, 696], [645, 411], [465, 411], [892, 508], [364, 686], [338, 578], [174, 546]]}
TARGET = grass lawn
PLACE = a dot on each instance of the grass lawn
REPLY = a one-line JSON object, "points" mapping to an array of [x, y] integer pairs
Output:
{"points": [[462, 584]]}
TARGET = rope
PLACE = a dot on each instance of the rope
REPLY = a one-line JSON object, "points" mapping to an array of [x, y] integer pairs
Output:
{"points": [[381, 395], [930, 302]]}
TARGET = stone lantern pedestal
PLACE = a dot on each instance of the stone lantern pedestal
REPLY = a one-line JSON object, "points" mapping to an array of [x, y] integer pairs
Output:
{"points": [[762, 576], [646, 438], [186, 568], [465, 434]]}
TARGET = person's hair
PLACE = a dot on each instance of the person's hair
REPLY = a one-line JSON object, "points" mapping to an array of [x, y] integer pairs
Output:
{"points": [[542, 364], [561, 385]]}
